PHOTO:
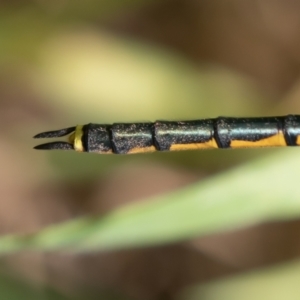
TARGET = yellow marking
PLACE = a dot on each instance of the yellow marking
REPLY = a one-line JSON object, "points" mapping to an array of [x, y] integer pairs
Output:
{"points": [[75, 138], [298, 140], [194, 146], [106, 152], [141, 150], [272, 141]]}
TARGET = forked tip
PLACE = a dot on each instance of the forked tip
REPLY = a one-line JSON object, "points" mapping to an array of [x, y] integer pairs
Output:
{"points": [[58, 145]]}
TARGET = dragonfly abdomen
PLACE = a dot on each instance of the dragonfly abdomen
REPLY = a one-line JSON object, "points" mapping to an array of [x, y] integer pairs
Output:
{"points": [[222, 132]]}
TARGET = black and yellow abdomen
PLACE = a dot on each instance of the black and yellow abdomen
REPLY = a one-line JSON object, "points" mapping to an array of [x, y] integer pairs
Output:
{"points": [[222, 132]]}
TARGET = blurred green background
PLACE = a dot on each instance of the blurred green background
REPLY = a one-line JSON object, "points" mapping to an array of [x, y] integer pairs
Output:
{"points": [[189, 225]]}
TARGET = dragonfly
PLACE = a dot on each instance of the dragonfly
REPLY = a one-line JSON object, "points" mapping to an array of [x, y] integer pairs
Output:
{"points": [[219, 133]]}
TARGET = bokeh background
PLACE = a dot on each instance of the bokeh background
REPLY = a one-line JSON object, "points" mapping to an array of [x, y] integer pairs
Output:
{"points": [[74, 62]]}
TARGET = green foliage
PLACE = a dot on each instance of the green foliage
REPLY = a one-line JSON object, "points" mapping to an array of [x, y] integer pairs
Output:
{"points": [[276, 283], [260, 191]]}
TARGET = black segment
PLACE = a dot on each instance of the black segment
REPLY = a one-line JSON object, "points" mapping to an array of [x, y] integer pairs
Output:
{"points": [[291, 129], [246, 129], [126, 137], [96, 138], [167, 133]]}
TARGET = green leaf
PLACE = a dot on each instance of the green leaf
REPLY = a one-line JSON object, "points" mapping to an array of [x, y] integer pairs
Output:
{"points": [[260, 191], [276, 283]]}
